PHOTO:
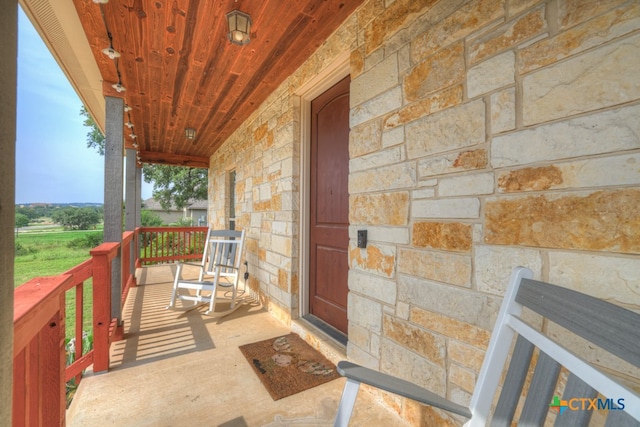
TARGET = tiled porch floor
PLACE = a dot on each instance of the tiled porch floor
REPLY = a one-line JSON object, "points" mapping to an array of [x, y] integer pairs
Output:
{"points": [[185, 369]]}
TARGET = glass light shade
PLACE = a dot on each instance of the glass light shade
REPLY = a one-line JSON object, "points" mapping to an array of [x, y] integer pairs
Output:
{"points": [[239, 27], [190, 133]]}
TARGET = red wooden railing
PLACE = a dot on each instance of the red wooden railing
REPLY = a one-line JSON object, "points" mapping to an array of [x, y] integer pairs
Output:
{"points": [[40, 373], [170, 244]]}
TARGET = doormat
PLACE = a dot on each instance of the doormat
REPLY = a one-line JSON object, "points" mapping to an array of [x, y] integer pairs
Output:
{"points": [[288, 365]]}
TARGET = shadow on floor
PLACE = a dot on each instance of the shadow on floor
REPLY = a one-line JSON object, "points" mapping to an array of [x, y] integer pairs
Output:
{"points": [[155, 333]]}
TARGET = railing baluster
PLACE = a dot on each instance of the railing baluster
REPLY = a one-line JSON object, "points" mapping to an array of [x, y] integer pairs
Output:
{"points": [[79, 323]]}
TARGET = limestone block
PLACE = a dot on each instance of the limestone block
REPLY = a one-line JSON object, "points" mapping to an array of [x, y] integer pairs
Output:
{"points": [[511, 34], [424, 193], [493, 265], [442, 267], [373, 59], [399, 361], [404, 60], [458, 127], [465, 378], [604, 28], [440, 235], [465, 355], [392, 177], [361, 357], [377, 107], [402, 310], [527, 179], [596, 79], [281, 244], [394, 235], [612, 278], [376, 259], [453, 162], [364, 139], [462, 208], [359, 336], [430, 104], [428, 345], [373, 286], [356, 62], [492, 74], [599, 221], [515, 7], [365, 312], [503, 111], [369, 10], [605, 132], [466, 185], [393, 19], [443, 69], [450, 328], [373, 82], [379, 208], [595, 172], [377, 159], [393, 137], [462, 304], [573, 12], [467, 19]]}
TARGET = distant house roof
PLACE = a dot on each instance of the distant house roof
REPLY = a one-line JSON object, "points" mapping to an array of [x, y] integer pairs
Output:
{"points": [[153, 205], [198, 204]]}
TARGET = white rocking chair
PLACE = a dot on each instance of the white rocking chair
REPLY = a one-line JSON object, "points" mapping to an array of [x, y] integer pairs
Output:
{"points": [[221, 261]]}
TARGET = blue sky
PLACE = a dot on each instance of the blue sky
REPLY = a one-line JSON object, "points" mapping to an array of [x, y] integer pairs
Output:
{"points": [[53, 163]]}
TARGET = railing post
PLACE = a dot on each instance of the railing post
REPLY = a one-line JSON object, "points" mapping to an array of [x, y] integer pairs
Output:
{"points": [[102, 257]]}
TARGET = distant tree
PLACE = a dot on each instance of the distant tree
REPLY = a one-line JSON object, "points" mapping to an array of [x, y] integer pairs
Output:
{"points": [[172, 185], [150, 219], [95, 137], [176, 185], [77, 218], [27, 211], [22, 220]]}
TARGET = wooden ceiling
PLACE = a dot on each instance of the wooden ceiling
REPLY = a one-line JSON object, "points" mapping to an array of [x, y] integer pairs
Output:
{"points": [[180, 70]]}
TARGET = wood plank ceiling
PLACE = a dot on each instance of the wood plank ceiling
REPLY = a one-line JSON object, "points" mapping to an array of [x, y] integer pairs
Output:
{"points": [[180, 70]]}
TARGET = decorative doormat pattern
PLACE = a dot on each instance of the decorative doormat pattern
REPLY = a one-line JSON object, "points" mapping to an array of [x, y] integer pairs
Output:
{"points": [[288, 365]]}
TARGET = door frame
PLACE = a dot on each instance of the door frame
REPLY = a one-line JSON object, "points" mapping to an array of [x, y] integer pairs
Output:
{"points": [[327, 78]]}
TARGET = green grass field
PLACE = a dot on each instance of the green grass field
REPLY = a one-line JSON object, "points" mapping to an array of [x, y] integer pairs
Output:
{"points": [[46, 253]]}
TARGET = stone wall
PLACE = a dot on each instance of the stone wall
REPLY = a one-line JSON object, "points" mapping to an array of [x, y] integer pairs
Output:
{"points": [[484, 134]]}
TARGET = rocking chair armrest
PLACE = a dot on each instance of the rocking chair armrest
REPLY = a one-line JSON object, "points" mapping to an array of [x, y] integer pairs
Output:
{"points": [[399, 386]]}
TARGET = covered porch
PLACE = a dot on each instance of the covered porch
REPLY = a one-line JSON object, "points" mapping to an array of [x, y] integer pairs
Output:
{"points": [[177, 368], [480, 135]]}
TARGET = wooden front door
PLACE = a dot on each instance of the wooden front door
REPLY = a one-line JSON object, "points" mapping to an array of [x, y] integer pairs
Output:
{"points": [[329, 216]]}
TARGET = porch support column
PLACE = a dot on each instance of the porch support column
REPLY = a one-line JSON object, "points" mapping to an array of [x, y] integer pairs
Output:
{"points": [[132, 201], [132, 191], [139, 187], [113, 186], [8, 84]]}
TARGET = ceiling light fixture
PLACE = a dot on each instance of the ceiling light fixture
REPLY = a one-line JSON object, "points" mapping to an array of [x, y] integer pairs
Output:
{"points": [[129, 124], [190, 133], [101, 1], [239, 27], [111, 52], [127, 108], [133, 135], [118, 87]]}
